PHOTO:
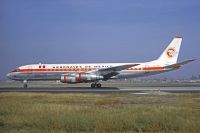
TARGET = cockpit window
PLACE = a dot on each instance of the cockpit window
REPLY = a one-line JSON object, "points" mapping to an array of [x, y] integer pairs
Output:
{"points": [[16, 70]]}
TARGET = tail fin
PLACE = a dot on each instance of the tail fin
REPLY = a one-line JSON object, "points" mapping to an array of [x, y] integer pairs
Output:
{"points": [[170, 54]]}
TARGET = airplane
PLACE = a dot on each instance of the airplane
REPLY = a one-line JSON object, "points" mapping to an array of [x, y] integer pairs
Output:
{"points": [[96, 72]]}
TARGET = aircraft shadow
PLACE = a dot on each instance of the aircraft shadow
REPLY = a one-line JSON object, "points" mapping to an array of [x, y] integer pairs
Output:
{"points": [[89, 88]]}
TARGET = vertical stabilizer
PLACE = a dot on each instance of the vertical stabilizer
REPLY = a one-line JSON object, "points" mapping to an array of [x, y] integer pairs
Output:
{"points": [[170, 54]]}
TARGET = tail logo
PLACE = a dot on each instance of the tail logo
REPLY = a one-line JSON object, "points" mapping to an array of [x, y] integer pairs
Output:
{"points": [[171, 52]]}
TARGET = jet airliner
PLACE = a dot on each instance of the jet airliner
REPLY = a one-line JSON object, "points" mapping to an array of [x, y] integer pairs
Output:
{"points": [[95, 72]]}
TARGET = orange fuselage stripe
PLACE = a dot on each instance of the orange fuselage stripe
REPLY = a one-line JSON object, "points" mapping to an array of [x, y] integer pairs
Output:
{"points": [[84, 69]]}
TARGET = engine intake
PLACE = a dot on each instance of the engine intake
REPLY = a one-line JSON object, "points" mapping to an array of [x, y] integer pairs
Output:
{"points": [[80, 77]]}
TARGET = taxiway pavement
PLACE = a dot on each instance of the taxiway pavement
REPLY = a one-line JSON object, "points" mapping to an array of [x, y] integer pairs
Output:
{"points": [[136, 90]]}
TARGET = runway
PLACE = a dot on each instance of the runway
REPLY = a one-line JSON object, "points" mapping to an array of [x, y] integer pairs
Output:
{"points": [[133, 90]]}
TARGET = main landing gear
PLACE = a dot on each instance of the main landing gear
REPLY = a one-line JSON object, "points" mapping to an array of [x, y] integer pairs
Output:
{"points": [[97, 85]]}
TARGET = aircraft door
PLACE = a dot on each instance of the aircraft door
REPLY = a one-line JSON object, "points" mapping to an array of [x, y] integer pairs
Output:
{"points": [[30, 73]]}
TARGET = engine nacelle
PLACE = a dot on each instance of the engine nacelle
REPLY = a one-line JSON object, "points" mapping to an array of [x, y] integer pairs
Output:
{"points": [[80, 77]]}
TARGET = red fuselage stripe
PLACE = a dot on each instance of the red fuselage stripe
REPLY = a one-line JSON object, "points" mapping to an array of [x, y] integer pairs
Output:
{"points": [[53, 70], [82, 70]]}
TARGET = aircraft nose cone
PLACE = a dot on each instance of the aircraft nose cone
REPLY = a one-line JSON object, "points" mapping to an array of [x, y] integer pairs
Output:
{"points": [[8, 75]]}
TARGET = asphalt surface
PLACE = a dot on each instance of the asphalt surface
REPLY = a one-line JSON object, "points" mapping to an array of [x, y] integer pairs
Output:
{"points": [[133, 90]]}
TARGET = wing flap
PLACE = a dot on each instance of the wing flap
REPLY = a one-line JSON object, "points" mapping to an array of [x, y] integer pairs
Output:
{"points": [[112, 71], [118, 68]]}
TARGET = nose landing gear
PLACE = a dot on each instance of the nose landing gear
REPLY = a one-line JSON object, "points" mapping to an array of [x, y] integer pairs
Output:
{"points": [[97, 85], [25, 84]]}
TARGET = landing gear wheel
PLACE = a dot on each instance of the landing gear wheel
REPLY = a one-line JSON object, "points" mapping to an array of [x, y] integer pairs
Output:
{"points": [[98, 85], [93, 85]]}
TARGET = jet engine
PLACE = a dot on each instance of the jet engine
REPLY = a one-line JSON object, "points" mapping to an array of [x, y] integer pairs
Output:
{"points": [[79, 77]]}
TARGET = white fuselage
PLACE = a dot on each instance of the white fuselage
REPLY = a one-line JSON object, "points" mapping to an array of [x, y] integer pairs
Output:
{"points": [[54, 71]]}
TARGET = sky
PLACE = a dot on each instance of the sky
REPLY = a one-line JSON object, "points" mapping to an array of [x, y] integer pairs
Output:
{"points": [[91, 31]]}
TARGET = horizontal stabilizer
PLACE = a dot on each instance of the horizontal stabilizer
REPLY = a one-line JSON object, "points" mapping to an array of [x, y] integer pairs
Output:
{"points": [[178, 65]]}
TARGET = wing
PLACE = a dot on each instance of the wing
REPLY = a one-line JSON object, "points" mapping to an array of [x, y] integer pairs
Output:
{"points": [[178, 65], [112, 71]]}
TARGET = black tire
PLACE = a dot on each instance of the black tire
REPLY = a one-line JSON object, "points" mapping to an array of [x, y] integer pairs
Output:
{"points": [[98, 85], [93, 85]]}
